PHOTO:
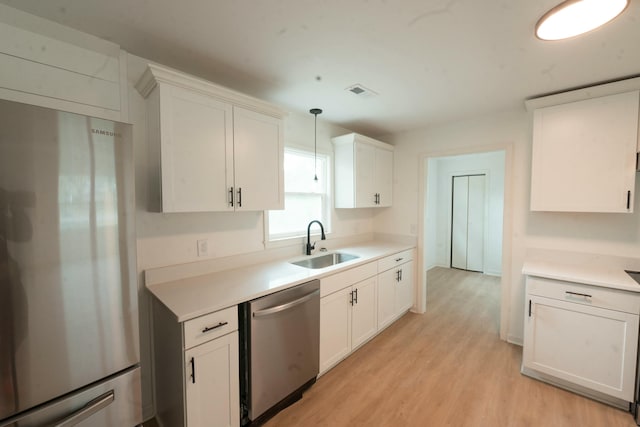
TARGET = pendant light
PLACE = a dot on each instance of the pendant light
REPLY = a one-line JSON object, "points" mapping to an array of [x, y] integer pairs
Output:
{"points": [[574, 17], [315, 112]]}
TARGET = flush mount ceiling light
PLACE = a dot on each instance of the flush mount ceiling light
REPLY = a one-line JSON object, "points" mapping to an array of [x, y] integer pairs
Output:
{"points": [[574, 17]]}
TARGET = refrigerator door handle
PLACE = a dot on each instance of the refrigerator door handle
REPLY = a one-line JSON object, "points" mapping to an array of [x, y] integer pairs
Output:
{"points": [[87, 410]]}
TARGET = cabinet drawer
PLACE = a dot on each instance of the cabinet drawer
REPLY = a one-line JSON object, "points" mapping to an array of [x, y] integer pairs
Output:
{"points": [[331, 284], [395, 259], [594, 296], [210, 326]]}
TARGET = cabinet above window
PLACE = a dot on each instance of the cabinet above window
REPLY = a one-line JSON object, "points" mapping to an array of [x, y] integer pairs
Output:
{"points": [[218, 150], [584, 151]]}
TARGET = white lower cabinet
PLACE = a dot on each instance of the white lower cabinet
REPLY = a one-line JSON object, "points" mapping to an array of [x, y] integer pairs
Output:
{"points": [[347, 320], [395, 287], [197, 376], [582, 336], [335, 328], [404, 289], [356, 304], [212, 393], [364, 314]]}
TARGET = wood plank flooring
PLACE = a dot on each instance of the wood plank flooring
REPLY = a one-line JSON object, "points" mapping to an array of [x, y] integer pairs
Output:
{"points": [[447, 367]]}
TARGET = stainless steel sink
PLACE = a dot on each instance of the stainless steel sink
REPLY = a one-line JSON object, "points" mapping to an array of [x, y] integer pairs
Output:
{"points": [[327, 260]]}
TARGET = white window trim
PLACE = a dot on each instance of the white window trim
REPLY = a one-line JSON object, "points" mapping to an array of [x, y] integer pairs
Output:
{"points": [[315, 232]]}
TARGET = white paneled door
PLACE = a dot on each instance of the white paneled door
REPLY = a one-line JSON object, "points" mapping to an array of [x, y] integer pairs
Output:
{"points": [[467, 222]]}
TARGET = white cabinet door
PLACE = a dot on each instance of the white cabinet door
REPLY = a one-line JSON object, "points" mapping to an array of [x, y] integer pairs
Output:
{"points": [[196, 144], [395, 293], [365, 180], [384, 177], [588, 346], [212, 383], [404, 289], [258, 161], [364, 313], [584, 155], [387, 297], [335, 328], [363, 172]]}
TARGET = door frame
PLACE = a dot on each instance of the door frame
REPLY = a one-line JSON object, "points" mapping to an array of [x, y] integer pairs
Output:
{"points": [[507, 226]]}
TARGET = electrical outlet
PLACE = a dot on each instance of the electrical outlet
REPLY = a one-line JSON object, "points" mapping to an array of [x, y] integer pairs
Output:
{"points": [[203, 247], [413, 229]]}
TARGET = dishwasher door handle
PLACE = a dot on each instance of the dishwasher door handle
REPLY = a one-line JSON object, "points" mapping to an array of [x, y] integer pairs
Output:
{"points": [[285, 306]]}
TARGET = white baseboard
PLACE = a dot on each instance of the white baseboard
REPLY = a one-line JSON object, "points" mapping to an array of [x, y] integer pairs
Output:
{"points": [[514, 340]]}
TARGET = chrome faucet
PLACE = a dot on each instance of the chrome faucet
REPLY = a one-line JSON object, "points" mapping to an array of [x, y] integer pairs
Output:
{"points": [[311, 247]]}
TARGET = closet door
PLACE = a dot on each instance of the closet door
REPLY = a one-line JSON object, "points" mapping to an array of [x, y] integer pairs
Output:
{"points": [[467, 222], [475, 223], [459, 208]]}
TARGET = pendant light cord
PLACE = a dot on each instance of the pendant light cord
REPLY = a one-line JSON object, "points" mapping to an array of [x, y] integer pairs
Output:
{"points": [[315, 112]]}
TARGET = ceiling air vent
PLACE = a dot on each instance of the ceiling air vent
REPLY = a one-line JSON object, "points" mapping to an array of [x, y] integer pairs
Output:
{"points": [[361, 91]]}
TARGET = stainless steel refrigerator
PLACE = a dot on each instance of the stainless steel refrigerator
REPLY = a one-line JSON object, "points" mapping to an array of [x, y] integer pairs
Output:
{"points": [[69, 348]]}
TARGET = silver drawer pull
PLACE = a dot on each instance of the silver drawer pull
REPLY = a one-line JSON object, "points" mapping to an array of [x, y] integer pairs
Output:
{"points": [[578, 294], [399, 259], [212, 328], [87, 410]]}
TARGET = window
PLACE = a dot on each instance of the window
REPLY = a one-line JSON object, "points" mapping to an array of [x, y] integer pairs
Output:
{"points": [[304, 198]]}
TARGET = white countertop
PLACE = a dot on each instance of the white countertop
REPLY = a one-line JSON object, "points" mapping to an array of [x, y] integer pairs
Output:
{"points": [[596, 270], [195, 296]]}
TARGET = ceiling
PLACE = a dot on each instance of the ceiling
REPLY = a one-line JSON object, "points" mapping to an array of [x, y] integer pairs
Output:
{"points": [[429, 61]]}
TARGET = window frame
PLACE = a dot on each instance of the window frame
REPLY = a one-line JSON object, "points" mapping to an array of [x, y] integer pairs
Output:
{"points": [[327, 203]]}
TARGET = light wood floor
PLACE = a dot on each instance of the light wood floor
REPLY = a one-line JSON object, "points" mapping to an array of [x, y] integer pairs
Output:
{"points": [[444, 368]]}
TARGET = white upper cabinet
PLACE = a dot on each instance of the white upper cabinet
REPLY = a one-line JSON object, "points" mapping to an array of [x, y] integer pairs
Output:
{"points": [[196, 144], [584, 155], [218, 150], [363, 172], [259, 150]]}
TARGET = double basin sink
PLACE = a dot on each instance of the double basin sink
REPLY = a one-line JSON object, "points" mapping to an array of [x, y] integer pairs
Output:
{"points": [[327, 260]]}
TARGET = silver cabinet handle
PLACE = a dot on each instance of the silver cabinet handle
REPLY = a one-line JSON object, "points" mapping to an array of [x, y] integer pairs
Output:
{"points": [[213, 328], [286, 306], [578, 294], [87, 410]]}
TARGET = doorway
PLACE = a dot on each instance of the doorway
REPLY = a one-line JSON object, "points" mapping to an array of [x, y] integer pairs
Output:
{"points": [[436, 206], [468, 205]]}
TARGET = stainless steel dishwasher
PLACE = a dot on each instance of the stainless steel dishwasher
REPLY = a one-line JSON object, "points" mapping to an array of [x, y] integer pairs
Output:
{"points": [[279, 350]]}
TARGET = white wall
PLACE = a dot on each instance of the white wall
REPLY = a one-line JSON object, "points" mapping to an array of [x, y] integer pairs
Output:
{"points": [[608, 234], [440, 171]]}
